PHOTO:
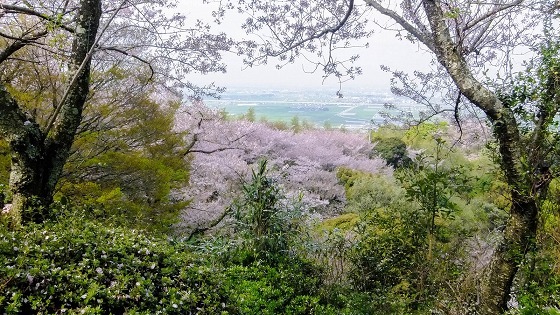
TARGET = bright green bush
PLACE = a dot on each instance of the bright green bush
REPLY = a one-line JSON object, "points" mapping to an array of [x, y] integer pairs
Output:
{"points": [[127, 171], [77, 266], [422, 135], [344, 222], [365, 191], [409, 241], [288, 288]]}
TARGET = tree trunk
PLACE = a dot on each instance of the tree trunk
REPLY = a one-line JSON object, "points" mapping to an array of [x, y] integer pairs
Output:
{"points": [[517, 240], [521, 226], [38, 157], [26, 178], [26, 144]]}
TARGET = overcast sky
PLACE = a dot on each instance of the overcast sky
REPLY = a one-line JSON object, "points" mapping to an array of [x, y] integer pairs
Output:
{"points": [[385, 49]]}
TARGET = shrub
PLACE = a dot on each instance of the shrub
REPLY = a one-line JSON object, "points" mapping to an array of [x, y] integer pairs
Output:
{"points": [[77, 266], [407, 244], [344, 222], [129, 171], [393, 151], [266, 219], [366, 192]]}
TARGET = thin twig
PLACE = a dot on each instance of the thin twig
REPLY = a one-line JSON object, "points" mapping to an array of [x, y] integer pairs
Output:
{"points": [[320, 34]]}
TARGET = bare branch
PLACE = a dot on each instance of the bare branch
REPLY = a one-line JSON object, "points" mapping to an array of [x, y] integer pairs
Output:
{"points": [[18, 44], [456, 117], [201, 229], [23, 10], [324, 32], [126, 53], [491, 14], [78, 73], [423, 38]]}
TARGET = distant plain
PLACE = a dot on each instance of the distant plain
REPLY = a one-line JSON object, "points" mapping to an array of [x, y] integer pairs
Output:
{"points": [[355, 110]]}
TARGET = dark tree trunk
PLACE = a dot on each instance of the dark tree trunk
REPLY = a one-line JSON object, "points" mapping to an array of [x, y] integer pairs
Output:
{"points": [[517, 240], [27, 153], [38, 156]]}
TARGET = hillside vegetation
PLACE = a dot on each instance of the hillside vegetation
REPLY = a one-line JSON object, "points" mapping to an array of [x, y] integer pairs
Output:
{"points": [[122, 193], [285, 222]]}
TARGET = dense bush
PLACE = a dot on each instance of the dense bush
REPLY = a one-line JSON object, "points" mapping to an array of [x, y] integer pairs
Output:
{"points": [[539, 280], [266, 220], [366, 192], [129, 169], [79, 266], [393, 151], [410, 239]]}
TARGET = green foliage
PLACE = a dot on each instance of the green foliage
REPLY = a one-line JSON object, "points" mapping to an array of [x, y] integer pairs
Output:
{"points": [[78, 266], [347, 177], [534, 98], [393, 151], [345, 222], [390, 235], [432, 184], [410, 236], [366, 192], [267, 223], [125, 161], [295, 124], [127, 173], [395, 261], [306, 125], [422, 135], [279, 125], [540, 291], [288, 288], [391, 143], [539, 85], [250, 115], [540, 276], [387, 131], [389, 259], [452, 13], [5, 161]]}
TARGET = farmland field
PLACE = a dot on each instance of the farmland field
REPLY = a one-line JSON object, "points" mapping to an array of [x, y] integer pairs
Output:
{"points": [[356, 110]]}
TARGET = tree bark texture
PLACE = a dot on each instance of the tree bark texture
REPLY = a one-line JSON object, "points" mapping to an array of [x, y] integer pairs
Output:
{"points": [[37, 157], [521, 226]]}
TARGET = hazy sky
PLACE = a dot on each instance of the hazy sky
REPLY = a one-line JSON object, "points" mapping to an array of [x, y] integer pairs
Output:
{"points": [[385, 49]]}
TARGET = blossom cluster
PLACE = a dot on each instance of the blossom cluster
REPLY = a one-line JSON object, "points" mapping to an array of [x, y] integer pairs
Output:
{"points": [[224, 151]]}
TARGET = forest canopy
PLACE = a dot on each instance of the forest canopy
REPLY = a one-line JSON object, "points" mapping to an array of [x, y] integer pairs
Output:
{"points": [[100, 124]]}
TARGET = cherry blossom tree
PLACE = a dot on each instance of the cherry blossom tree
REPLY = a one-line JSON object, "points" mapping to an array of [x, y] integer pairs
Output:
{"points": [[224, 150], [69, 44], [474, 46]]}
